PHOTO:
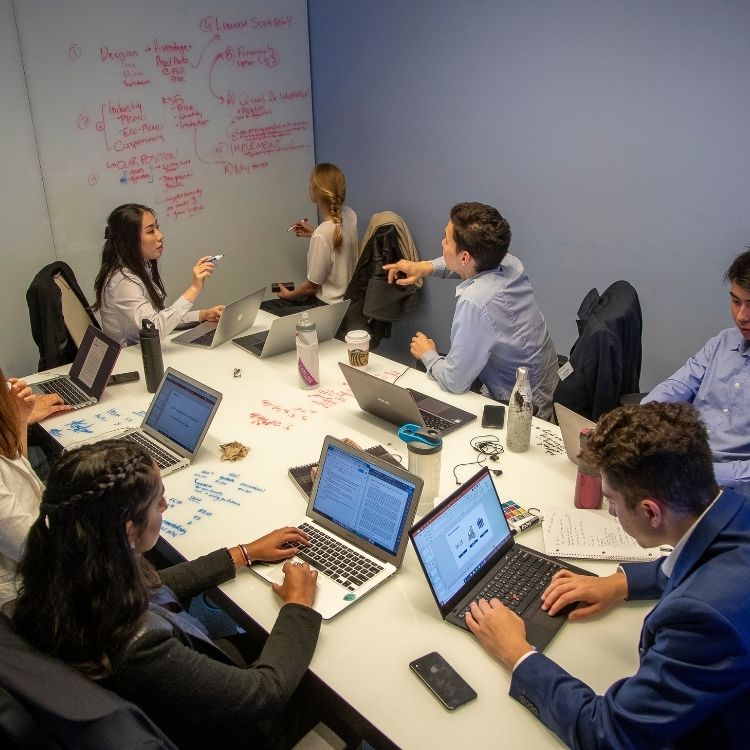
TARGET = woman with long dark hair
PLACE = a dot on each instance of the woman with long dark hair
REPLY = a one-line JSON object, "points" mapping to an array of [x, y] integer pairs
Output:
{"points": [[90, 598], [129, 287]]}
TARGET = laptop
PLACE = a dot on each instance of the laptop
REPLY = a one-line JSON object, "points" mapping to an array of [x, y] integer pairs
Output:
{"points": [[236, 318], [358, 519], [85, 383], [467, 551], [400, 406], [282, 335], [176, 421], [571, 425]]}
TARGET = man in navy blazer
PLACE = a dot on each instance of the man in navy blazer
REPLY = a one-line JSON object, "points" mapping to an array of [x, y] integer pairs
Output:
{"points": [[692, 688]]}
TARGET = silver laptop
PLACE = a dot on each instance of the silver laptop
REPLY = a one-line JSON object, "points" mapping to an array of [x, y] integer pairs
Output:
{"points": [[281, 336], [400, 406], [236, 318], [358, 519], [176, 421], [87, 379], [571, 425]]}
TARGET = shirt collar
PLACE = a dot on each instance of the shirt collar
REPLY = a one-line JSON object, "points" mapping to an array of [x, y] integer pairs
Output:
{"points": [[669, 562], [464, 285]]}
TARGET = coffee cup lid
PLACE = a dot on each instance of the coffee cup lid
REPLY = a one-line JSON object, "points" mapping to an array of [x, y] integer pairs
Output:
{"points": [[357, 336]]}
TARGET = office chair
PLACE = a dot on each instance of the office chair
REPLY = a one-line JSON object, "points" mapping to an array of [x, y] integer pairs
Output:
{"points": [[59, 314], [606, 358]]}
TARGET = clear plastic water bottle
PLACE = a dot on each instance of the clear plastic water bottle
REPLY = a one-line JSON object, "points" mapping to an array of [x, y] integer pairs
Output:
{"points": [[520, 409], [308, 364], [588, 482]]}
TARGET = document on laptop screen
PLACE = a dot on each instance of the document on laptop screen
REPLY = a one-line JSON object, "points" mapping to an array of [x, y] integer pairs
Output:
{"points": [[364, 499], [93, 362], [455, 543]]}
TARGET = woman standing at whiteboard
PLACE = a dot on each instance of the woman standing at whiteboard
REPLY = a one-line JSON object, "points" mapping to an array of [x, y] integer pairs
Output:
{"points": [[128, 286], [333, 250]]}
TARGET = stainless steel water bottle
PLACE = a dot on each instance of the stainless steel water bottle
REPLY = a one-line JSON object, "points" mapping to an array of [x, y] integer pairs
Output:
{"points": [[153, 365], [520, 409]]}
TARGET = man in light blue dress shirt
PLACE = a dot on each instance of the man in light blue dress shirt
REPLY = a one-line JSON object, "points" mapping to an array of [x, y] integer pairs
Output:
{"points": [[716, 381], [497, 325]]}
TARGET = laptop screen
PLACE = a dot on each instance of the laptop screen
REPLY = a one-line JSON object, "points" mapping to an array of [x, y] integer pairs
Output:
{"points": [[181, 410], [464, 532], [366, 500]]}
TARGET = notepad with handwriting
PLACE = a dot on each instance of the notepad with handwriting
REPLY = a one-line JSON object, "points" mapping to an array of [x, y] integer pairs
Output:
{"points": [[592, 535]]}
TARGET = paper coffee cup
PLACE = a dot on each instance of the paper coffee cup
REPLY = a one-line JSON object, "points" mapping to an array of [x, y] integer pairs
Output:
{"points": [[358, 344]]}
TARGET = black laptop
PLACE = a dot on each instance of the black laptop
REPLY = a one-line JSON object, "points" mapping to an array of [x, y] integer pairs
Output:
{"points": [[400, 406], [467, 551]]}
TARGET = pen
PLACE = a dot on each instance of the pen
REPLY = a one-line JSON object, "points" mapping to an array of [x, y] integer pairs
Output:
{"points": [[214, 258]]}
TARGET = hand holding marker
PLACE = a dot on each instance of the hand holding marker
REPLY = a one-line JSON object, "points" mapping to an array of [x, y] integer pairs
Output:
{"points": [[214, 258]]}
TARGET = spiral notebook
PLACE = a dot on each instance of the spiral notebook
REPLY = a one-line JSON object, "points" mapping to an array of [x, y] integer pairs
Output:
{"points": [[592, 535], [300, 475]]}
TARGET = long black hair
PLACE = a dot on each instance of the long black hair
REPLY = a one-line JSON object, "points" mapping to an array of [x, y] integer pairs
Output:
{"points": [[83, 588], [122, 252]]}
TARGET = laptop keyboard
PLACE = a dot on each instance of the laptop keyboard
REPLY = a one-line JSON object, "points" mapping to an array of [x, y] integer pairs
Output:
{"points": [[161, 457], [433, 422], [519, 583], [69, 393], [254, 342], [206, 338], [335, 560]]}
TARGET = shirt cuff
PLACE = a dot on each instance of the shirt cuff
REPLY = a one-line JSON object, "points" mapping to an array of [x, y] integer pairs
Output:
{"points": [[429, 358], [523, 659]]}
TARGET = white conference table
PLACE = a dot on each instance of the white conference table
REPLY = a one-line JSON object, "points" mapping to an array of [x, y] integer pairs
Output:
{"points": [[364, 653]]}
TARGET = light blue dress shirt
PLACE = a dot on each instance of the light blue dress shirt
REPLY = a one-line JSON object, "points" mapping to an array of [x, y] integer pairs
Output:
{"points": [[716, 381], [497, 327]]}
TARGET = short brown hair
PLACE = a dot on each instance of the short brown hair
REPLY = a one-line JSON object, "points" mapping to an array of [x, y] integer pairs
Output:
{"points": [[739, 271], [655, 450], [482, 232]]}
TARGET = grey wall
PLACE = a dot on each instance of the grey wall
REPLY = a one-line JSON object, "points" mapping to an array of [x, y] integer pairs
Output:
{"points": [[612, 135]]}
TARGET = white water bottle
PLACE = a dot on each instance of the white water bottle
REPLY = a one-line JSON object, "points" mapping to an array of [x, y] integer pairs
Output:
{"points": [[518, 431], [308, 365]]}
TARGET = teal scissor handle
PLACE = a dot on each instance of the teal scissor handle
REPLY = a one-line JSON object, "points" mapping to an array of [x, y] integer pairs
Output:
{"points": [[415, 433]]}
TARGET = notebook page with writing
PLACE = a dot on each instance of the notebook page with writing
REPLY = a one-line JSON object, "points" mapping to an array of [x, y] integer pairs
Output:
{"points": [[592, 535]]}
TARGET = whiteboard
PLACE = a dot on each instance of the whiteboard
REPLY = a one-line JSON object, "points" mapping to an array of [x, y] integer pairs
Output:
{"points": [[200, 110]]}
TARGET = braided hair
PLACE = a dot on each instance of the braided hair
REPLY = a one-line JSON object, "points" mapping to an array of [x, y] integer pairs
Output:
{"points": [[83, 588], [329, 186], [122, 252]]}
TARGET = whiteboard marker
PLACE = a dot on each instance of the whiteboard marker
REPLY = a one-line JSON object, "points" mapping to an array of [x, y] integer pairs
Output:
{"points": [[214, 258]]}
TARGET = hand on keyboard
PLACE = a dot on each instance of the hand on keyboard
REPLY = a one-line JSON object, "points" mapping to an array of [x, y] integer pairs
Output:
{"points": [[277, 545], [299, 584], [501, 632]]}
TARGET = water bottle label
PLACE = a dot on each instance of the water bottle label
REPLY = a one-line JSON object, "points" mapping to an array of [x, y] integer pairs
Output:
{"points": [[305, 374]]}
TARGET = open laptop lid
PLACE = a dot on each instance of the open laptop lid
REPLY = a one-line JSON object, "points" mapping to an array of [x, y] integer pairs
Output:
{"points": [[237, 317], [282, 335], [461, 539], [381, 398], [181, 413], [94, 362], [571, 425], [364, 500]]}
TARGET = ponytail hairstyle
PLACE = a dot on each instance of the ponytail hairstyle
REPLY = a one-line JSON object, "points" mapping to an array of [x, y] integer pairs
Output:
{"points": [[11, 444], [83, 589], [122, 252], [328, 185]]}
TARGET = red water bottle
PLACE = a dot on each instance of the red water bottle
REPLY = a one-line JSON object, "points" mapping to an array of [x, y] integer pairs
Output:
{"points": [[589, 481]]}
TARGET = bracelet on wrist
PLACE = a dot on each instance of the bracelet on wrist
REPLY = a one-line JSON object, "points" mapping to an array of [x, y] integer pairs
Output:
{"points": [[246, 555]]}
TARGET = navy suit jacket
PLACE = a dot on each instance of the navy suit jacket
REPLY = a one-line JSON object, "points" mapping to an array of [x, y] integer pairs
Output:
{"points": [[692, 688]]}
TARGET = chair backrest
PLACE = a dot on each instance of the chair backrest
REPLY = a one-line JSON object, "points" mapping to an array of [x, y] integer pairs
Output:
{"points": [[44, 703], [606, 358], [59, 314]]}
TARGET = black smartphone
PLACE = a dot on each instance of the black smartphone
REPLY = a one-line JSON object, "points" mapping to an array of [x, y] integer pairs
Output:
{"points": [[493, 416], [440, 677], [123, 377], [276, 284]]}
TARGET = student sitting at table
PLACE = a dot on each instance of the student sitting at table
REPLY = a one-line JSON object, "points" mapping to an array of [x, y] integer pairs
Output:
{"points": [[20, 488], [90, 598], [333, 249], [128, 286], [692, 686]]}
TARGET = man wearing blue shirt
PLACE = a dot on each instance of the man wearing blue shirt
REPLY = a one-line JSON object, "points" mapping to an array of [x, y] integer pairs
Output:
{"points": [[716, 381], [692, 687], [497, 325]]}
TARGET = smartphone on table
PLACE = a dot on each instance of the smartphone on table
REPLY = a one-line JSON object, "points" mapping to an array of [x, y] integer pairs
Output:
{"points": [[448, 686], [493, 416]]}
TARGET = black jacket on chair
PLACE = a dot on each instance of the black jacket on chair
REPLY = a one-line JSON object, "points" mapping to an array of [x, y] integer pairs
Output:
{"points": [[45, 313], [606, 358], [375, 303]]}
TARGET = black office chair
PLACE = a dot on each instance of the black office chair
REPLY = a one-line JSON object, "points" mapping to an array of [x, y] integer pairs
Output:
{"points": [[59, 313], [47, 705], [606, 358]]}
